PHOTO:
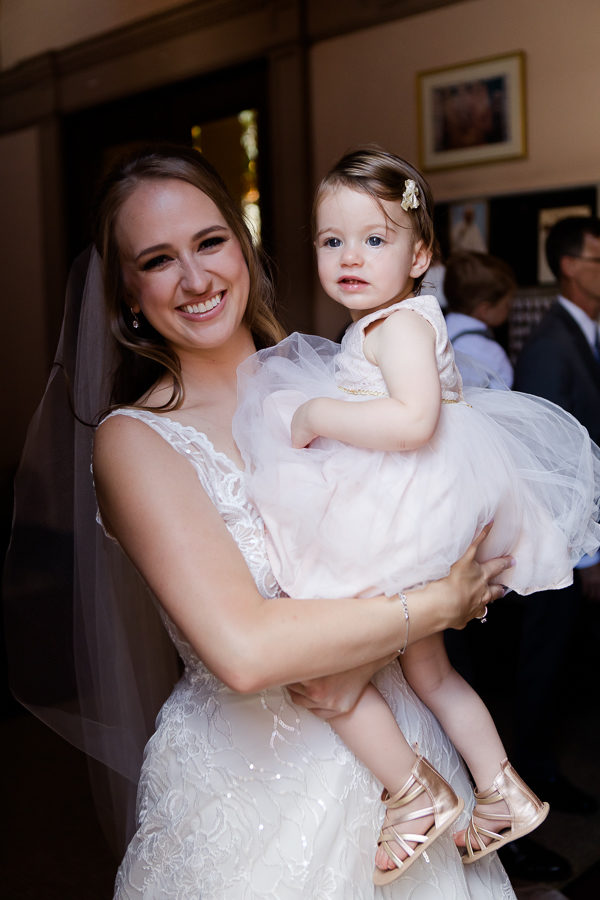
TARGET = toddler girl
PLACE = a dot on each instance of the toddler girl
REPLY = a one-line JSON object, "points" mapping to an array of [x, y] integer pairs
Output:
{"points": [[373, 469]]}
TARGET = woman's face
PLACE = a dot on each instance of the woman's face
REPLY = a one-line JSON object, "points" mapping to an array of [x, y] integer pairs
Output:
{"points": [[182, 266]]}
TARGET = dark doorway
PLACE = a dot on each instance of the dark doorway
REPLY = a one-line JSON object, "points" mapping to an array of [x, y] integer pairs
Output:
{"points": [[174, 112]]}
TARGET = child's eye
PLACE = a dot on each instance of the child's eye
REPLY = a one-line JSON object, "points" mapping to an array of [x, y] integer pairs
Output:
{"points": [[156, 262], [374, 240], [332, 242]]}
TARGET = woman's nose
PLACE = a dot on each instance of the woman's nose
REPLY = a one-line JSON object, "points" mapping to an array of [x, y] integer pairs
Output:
{"points": [[194, 277]]}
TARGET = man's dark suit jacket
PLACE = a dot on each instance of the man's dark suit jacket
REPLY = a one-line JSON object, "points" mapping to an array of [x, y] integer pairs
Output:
{"points": [[558, 363]]}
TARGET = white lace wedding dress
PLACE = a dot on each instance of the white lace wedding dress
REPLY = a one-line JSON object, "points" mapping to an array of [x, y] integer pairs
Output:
{"points": [[244, 797]]}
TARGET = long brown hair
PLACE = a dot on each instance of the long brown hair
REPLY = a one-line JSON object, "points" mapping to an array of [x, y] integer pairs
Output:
{"points": [[144, 353], [383, 176]]}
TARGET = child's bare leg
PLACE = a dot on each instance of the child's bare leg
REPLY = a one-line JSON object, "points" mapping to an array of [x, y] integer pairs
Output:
{"points": [[373, 735], [462, 714]]}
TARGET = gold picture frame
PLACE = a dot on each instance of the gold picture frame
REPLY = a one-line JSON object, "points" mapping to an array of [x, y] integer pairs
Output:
{"points": [[472, 113]]}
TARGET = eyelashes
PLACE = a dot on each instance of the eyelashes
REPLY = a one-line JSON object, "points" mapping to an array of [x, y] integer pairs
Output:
{"points": [[334, 243], [155, 262], [162, 259]]}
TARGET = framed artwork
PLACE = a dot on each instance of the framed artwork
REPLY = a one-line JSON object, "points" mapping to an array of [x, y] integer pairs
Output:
{"points": [[468, 226], [473, 113]]}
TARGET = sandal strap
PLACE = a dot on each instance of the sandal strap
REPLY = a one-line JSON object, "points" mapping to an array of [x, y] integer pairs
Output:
{"points": [[492, 795], [484, 814], [401, 841], [417, 814], [442, 808], [390, 833], [408, 792], [477, 832]]}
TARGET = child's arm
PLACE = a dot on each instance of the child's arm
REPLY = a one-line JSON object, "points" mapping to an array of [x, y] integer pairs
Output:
{"points": [[403, 346]]}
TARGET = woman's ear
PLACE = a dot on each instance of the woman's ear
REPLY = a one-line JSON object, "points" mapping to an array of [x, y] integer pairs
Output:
{"points": [[130, 300], [421, 260]]}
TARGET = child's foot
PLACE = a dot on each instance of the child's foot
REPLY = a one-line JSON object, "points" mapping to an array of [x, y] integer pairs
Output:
{"points": [[495, 819], [506, 811], [399, 821], [413, 821]]}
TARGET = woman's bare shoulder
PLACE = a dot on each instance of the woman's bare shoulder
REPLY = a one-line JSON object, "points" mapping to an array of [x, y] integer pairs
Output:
{"points": [[122, 441], [119, 426]]}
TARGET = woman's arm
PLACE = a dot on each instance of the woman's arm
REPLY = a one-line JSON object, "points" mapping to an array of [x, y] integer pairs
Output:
{"points": [[403, 347], [332, 694], [152, 502]]}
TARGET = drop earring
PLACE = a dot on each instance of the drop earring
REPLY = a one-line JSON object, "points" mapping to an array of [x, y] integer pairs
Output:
{"points": [[136, 322]]}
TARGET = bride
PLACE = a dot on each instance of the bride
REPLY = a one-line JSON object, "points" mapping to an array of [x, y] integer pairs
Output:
{"points": [[243, 792]]}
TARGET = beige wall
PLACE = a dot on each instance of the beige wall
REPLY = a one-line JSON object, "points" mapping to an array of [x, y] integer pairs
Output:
{"points": [[363, 86], [30, 27], [364, 89]]}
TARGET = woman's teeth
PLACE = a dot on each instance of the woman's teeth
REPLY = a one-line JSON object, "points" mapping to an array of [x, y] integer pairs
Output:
{"points": [[203, 307]]}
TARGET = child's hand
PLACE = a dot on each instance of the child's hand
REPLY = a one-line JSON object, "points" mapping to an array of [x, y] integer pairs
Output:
{"points": [[301, 429]]}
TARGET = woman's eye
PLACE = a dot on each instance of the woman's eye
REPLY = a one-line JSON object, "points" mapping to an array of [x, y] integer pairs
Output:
{"points": [[211, 242], [332, 242], [374, 241], [155, 262]]}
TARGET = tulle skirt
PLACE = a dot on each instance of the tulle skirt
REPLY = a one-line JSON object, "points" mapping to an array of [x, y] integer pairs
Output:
{"points": [[345, 521]]}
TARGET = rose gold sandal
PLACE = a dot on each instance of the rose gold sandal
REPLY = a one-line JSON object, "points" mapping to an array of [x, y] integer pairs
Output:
{"points": [[525, 812], [445, 808]]}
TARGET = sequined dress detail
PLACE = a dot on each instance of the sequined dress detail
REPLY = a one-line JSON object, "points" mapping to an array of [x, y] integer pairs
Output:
{"points": [[247, 797]]}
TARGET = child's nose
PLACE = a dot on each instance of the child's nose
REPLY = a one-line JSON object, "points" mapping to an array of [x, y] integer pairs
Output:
{"points": [[351, 255]]}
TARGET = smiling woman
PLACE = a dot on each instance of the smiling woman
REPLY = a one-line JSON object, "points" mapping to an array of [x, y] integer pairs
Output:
{"points": [[145, 354], [242, 791], [179, 271]]}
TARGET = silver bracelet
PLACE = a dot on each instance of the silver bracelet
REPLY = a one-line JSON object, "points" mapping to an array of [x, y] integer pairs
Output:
{"points": [[402, 597]]}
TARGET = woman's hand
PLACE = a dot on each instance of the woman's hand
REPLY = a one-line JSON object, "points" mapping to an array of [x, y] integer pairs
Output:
{"points": [[334, 694], [473, 585]]}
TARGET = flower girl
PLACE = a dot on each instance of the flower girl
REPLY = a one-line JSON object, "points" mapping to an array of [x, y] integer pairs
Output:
{"points": [[373, 467]]}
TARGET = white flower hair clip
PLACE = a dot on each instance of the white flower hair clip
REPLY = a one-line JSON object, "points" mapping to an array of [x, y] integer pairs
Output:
{"points": [[410, 197]]}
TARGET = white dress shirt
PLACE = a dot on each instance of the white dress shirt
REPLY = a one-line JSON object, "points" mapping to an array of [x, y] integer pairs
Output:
{"points": [[484, 349]]}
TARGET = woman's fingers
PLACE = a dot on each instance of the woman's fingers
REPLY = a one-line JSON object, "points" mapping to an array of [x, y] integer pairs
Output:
{"points": [[334, 694], [480, 538], [493, 568]]}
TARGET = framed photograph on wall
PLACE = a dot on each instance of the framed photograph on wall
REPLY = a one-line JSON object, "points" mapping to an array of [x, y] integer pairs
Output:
{"points": [[468, 226], [473, 113]]}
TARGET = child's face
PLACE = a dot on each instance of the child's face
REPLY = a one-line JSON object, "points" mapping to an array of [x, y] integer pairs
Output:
{"points": [[366, 253]]}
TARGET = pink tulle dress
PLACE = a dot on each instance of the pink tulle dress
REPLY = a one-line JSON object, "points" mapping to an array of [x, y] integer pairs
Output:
{"points": [[344, 521]]}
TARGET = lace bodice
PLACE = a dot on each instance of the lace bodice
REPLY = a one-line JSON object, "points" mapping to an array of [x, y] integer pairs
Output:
{"points": [[357, 375], [224, 483]]}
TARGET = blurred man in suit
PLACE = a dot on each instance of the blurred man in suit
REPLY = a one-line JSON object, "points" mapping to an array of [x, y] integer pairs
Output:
{"points": [[561, 362]]}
